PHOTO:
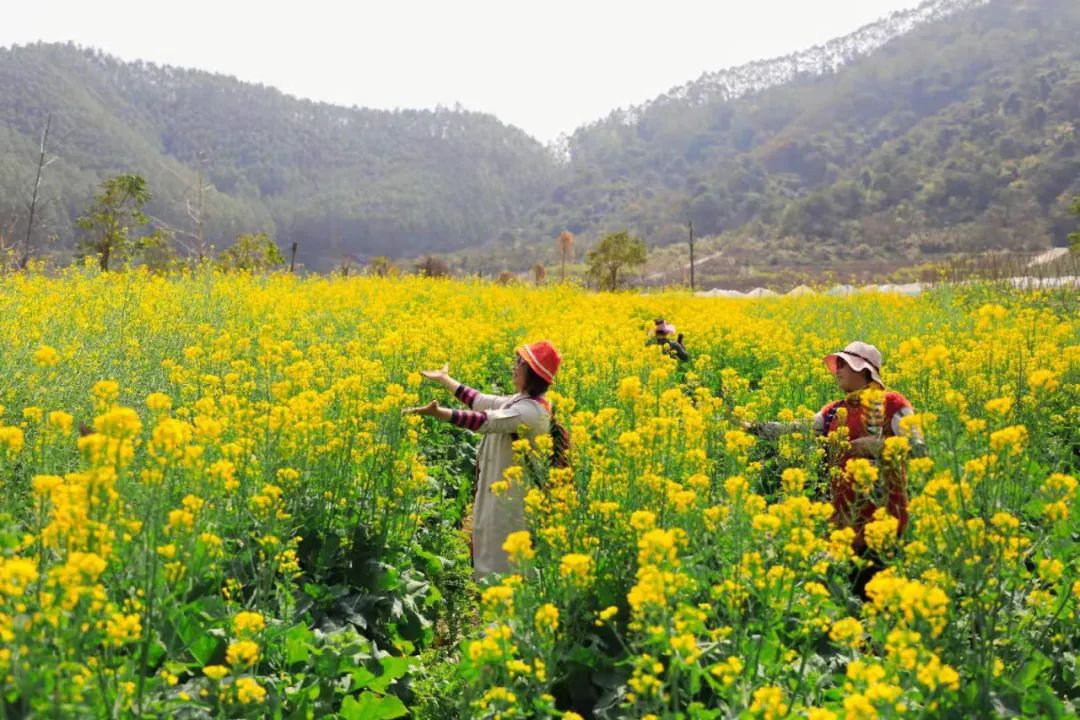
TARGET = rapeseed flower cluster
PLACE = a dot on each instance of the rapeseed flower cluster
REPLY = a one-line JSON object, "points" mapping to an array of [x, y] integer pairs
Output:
{"points": [[199, 469]]}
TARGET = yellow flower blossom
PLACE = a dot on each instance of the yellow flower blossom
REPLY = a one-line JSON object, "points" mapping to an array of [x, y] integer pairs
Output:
{"points": [[242, 653], [547, 618], [248, 623], [518, 546]]}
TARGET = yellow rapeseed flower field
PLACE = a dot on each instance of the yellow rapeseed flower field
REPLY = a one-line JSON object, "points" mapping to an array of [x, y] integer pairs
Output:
{"points": [[214, 506]]}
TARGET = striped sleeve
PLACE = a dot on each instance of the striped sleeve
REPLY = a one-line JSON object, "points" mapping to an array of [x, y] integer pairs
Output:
{"points": [[466, 394], [468, 419], [897, 427], [477, 400], [773, 430]]}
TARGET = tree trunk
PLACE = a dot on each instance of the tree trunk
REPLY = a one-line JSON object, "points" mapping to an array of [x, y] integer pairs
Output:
{"points": [[24, 257]]}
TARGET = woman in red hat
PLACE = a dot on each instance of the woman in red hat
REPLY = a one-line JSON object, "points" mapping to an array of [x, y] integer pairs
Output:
{"points": [[501, 419]]}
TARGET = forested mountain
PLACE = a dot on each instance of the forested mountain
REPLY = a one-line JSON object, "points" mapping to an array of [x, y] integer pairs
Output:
{"points": [[952, 127], [959, 134], [339, 181]]}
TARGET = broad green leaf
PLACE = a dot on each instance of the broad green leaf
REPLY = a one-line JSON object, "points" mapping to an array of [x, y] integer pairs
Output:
{"points": [[372, 707], [298, 644]]}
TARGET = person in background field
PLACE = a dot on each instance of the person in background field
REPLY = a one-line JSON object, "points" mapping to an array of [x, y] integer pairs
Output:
{"points": [[871, 415], [501, 419], [664, 335]]}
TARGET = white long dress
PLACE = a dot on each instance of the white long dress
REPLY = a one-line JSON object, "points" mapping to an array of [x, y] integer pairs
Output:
{"points": [[496, 516]]}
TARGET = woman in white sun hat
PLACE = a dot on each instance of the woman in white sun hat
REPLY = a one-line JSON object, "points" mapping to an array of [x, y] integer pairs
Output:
{"points": [[663, 334], [871, 414]]}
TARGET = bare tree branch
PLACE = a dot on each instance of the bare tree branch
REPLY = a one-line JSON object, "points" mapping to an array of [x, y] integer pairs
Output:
{"points": [[186, 240], [24, 256], [195, 206]]}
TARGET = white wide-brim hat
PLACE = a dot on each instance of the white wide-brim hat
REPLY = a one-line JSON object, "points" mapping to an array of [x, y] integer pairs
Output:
{"points": [[859, 356]]}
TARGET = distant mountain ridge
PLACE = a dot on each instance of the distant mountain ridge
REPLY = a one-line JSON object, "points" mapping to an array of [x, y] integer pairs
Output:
{"points": [[956, 133], [732, 83], [949, 127]]}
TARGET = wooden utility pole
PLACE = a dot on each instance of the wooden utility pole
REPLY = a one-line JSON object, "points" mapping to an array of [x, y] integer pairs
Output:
{"points": [[690, 225], [292, 258], [200, 231]]}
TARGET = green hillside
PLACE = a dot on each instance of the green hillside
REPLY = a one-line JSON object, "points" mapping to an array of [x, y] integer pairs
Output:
{"points": [[958, 135], [339, 181], [949, 128]]}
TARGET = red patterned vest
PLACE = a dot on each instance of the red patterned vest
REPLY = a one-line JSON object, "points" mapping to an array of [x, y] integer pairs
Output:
{"points": [[850, 510]]}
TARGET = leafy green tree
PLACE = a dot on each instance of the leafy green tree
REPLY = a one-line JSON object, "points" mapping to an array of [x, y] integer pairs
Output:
{"points": [[158, 254], [616, 251], [252, 252], [383, 267], [1074, 238], [114, 217]]}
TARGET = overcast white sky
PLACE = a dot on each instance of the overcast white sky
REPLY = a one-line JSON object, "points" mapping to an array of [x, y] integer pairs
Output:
{"points": [[545, 67]]}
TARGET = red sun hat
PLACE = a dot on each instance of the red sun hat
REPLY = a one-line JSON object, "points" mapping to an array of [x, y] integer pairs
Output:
{"points": [[543, 358]]}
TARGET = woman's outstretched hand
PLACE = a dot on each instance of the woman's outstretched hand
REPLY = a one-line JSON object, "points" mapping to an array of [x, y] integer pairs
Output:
{"points": [[866, 447], [438, 376], [430, 410]]}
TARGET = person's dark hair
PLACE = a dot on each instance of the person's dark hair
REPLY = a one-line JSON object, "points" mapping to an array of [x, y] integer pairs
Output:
{"points": [[535, 385]]}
